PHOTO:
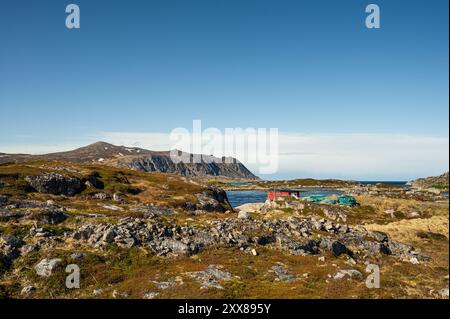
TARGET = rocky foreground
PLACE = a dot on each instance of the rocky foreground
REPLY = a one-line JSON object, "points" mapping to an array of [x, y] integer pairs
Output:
{"points": [[139, 235]]}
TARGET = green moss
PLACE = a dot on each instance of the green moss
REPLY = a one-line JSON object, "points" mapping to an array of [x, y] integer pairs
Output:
{"points": [[439, 186], [18, 231]]}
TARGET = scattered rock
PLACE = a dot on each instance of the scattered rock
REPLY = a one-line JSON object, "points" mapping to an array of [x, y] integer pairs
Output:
{"points": [[50, 216], [76, 256], [163, 285], [282, 273], [336, 247], [118, 197], [6, 214], [151, 295], [250, 207], [126, 243], [97, 292], [101, 196], [27, 290], [243, 215], [26, 249], [347, 273], [293, 236], [211, 276], [46, 266]]}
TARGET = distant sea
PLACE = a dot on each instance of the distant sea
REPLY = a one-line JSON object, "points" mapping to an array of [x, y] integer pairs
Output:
{"points": [[239, 197]]}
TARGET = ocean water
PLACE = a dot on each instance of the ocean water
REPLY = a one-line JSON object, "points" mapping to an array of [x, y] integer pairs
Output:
{"points": [[238, 197]]}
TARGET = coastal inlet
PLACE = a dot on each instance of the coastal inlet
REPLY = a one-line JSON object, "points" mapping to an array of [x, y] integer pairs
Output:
{"points": [[240, 197]]}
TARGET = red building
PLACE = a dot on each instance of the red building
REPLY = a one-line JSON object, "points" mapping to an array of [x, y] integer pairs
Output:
{"points": [[272, 195]]}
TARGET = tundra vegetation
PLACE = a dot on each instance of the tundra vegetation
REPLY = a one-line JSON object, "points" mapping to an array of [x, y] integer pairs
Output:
{"points": [[153, 235]]}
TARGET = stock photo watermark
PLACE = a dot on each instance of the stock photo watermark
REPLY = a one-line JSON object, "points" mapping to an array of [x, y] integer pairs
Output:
{"points": [[372, 21], [373, 279], [73, 19], [73, 279], [254, 146]]}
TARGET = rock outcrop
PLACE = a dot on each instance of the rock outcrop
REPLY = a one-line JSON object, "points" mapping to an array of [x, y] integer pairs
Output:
{"points": [[294, 236], [441, 181], [56, 184]]}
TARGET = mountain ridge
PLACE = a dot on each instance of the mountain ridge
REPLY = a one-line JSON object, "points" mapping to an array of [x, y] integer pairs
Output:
{"points": [[142, 160]]}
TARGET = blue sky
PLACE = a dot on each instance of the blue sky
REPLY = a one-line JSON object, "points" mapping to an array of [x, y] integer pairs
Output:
{"points": [[150, 66]]}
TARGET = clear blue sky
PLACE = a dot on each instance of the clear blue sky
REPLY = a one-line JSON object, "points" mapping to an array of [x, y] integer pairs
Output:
{"points": [[151, 66]]}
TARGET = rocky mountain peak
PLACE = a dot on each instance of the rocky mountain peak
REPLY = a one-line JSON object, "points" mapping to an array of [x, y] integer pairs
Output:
{"points": [[142, 160]]}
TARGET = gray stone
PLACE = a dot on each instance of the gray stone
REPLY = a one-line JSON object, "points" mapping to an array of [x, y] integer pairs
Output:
{"points": [[126, 243], [50, 216], [282, 273], [97, 292], [347, 273], [27, 290], [151, 295], [211, 276], [177, 247], [78, 255], [108, 236], [26, 249], [46, 266], [243, 215]]}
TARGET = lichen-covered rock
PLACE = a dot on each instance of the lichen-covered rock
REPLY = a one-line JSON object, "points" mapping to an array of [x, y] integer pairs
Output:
{"points": [[46, 266], [213, 200], [347, 273], [282, 273], [50, 216], [295, 236], [211, 276], [56, 184]]}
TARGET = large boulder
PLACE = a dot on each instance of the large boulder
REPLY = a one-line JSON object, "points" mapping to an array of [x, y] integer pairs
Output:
{"points": [[50, 216], [250, 207], [46, 266], [213, 200], [56, 184]]}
